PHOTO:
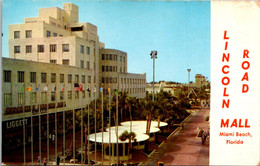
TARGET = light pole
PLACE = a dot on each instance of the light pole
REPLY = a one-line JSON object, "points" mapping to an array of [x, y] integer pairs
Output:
{"points": [[189, 81], [153, 55]]}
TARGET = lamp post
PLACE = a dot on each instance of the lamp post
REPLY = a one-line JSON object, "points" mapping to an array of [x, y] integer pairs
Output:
{"points": [[189, 81], [153, 55]]}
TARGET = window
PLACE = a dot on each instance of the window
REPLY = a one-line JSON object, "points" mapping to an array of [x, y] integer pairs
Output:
{"points": [[7, 99], [28, 34], [34, 97], [61, 78], [20, 99], [69, 94], [43, 97], [110, 56], [61, 95], [88, 65], [89, 79], [103, 56], [16, 34], [28, 49], [81, 64], [76, 94], [82, 49], [53, 77], [20, 76], [40, 48], [76, 78], [54, 34], [48, 34], [16, 49], [123, 59], [69, 78], [33, 77], [103, 68], [103, 80], [120, 58], [7, 76], [53, 95], [65, 61], [53, 48], [65, 47], [53, 61], [43, 77], [83, 78], [88, 50]]}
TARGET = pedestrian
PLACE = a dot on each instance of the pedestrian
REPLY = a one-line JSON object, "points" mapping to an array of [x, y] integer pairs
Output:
{"points": [[39, 160], [45, 162], [58, 160], [53, 137]]}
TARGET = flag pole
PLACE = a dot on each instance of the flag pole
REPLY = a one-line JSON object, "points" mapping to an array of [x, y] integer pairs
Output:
{"points": [[32, 126], [74, 129], [117, 127], [64, 148], [48, 129], [102, 126], [109, 102], [56, 136], [88, 129], [40, 151], [24, 150], [81, 141], [95, 124]]}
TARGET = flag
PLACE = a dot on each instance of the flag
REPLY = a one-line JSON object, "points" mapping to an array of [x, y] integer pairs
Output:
{"points": [[80, 87], [29, 89], [55, 88], [100, 89], [88, 89], [94, 89], [62, 89], [37, 89], [108, 89], [45, 88], [116, 90], [76, 87], [22, 89]]}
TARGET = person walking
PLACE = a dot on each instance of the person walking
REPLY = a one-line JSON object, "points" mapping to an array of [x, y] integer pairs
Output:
{"points": [[44, 161], [39, 160], [58, 160]]}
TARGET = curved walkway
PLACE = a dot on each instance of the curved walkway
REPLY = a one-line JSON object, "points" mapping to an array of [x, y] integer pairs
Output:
{"points": [[184, 148]]}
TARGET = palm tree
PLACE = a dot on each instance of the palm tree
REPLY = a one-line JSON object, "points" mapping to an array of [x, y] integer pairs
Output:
{"points": [[130, 136]]}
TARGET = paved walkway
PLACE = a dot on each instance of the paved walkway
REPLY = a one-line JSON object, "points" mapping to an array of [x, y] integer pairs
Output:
{"points": [[185, 148]]}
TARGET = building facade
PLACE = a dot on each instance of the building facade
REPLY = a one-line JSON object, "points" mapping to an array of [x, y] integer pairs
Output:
{"points": [[113, 74], [56, 65]]}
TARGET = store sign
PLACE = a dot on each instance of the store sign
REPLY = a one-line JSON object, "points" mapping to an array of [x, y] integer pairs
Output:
{"points": [[16, 123], [34, 108]]}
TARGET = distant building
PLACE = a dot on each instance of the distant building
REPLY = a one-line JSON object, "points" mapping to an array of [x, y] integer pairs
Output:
{"points": [[200, 81]]}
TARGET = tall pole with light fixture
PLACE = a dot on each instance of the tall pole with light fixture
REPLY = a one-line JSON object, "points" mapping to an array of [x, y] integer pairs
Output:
{"points": [[153, 55], [188, 81]]}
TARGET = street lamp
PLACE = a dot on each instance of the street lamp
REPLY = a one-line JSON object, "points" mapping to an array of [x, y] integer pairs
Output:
{"points": [[188, 80], [153, 55]]}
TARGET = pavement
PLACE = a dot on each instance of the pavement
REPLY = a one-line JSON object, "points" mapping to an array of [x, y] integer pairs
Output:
{"points": [[184, 148]]}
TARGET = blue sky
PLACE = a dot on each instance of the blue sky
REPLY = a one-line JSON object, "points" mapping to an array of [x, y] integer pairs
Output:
{"points": [[178, 30]]}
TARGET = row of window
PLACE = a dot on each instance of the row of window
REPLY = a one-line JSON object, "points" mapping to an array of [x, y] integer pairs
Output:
{"points": [[21, 76], [129, 91], [83, 66], [132, 81], [82, 50], [33, 97], [109, 68], [112, 57], [40, 48], [28, 34]]}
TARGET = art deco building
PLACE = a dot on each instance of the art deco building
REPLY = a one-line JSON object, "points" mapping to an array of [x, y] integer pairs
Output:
{"points": [[55, 64]]}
